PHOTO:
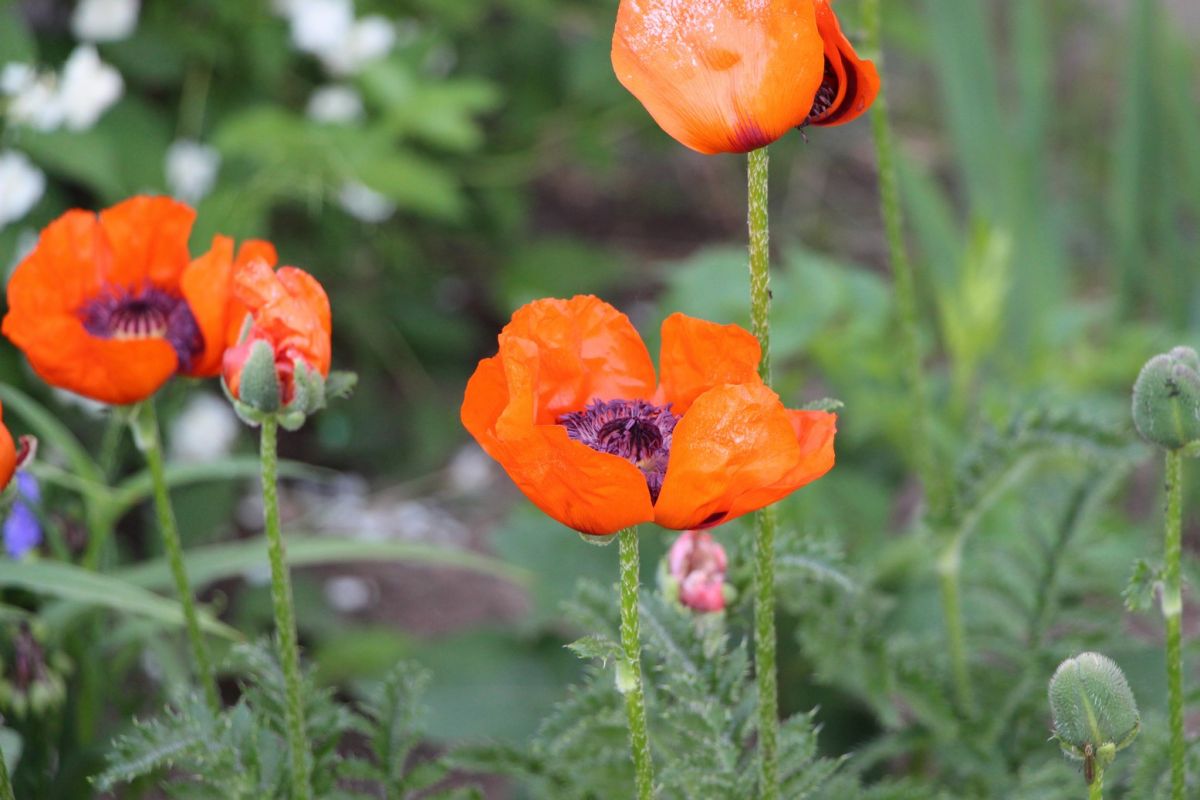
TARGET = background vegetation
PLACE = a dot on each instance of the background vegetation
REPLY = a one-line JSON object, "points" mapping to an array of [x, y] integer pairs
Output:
{"points": [[1050, 167]]}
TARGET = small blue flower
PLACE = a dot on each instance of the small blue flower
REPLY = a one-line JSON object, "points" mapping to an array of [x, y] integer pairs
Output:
{"points": [[22, 532]]}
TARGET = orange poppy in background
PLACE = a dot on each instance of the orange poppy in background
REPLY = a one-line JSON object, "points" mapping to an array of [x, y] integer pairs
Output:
{"points": [[730, 76], [110, 306], [289, 310], [571, 409], [8, 453]]}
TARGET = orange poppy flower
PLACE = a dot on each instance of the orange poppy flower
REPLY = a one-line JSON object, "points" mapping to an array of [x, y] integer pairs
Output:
{"points": [[570, 408], [730, 76], [289, 310], [12, 455], [110, 306]]}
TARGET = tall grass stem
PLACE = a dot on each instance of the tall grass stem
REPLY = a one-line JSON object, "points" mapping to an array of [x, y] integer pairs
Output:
{"points": [[6, 790], [630, 678]]}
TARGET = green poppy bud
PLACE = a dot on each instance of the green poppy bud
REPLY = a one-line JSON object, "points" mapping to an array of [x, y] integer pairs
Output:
{"points": [[1094, 712], [1166, 399]]}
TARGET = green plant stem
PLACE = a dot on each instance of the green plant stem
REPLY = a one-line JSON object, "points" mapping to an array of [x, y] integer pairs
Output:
{"points": [[949, 568], [1096, 790], [6, 790], [629, 679], [921, 444], [144, 422], [1172, 610], [764, 539], [285, 616]]}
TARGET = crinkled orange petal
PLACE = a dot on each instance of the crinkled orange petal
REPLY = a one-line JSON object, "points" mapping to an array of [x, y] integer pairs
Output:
{"points": [[720, 76], [148, 238], [65, 269], [857, 79], [207, 288], [586, 350], [290, 308], [8, 453], [697, 355], [586, 490], [737, 449]]}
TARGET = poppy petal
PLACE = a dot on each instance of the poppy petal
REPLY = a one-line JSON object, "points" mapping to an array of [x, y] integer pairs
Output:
{"points": [[8, 454], [720, 77], [206, 289], [585, 490], [62, 273], [148, 237], [737, 450], [584, 350], [857, 80], [697, 356]]}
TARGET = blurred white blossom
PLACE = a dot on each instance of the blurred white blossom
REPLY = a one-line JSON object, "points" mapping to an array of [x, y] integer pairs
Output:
{"points": [[348, 593], [204, 431], [470, 470], [329, 30], [104, 20], [191, 170], [364, 203], [369, 39], [21, 186], [33, 96], [334, 104]]}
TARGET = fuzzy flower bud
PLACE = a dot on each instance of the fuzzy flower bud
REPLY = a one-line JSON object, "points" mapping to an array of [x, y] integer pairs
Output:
{"points": [[695, 576], [1166, 399], [1094, 712]]}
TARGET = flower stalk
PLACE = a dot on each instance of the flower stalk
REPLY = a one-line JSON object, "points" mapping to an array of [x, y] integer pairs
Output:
{"points": [[1172, 611], [6, 790], [144, 426], [764, 538], [1096, 788], [921, 442], [629, 673], [285, 614]]}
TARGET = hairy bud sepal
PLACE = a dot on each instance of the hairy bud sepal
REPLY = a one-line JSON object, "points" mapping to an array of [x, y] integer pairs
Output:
{"points": [[1166, 399], [1095, 714]]}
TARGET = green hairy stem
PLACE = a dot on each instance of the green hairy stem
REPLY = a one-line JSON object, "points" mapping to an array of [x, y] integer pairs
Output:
{"points": [[629, 675]]}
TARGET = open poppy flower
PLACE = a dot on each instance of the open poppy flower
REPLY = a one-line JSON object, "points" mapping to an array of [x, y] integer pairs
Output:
{"points": [[289, 312], [110, 306], [730, 76], [570, 408]]}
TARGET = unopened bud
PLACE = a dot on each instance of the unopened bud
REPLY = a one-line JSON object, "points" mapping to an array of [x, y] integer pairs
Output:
{"points": [[1094, 712], [694, 573], [1166, 399]]}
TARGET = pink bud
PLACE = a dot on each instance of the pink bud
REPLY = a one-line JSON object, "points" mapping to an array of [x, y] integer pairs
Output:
{"points": [[698, 564]]}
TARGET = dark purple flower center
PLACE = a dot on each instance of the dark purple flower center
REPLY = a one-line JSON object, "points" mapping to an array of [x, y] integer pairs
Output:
{"points": [[635, 430], [146, 313], [825, 96]]}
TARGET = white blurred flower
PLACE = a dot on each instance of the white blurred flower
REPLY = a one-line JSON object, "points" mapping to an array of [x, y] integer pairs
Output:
{"points": [[368, 39], [335, 103], [33, 97], [204, 431], [104, 20], [87, 88], [348, 593], [364, 203], [470, 470], [320, 26], [21, 186], [191, 170]]}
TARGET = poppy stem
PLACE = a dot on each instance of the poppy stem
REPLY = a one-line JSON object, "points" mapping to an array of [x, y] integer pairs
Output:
{"points": [[285, 615], [144, 426], [1172, 611], [629, 674], [1096, 789], [764, 538], [6, 790], [925, 460]]}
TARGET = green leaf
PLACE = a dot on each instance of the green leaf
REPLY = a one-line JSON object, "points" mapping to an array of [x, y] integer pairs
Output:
{"points": [[208, 564], [1139, 592], [595, 646], [68, 582]]}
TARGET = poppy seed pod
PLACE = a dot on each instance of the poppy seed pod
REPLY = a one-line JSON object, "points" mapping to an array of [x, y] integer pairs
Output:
{"points": [[1094, 712], [1166, 399]]}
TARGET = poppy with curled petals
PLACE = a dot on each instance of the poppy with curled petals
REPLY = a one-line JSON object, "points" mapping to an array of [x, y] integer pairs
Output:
{"points": [[288, 313], [13, 454], [571, 409], [110, 306], [730, 76]]}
